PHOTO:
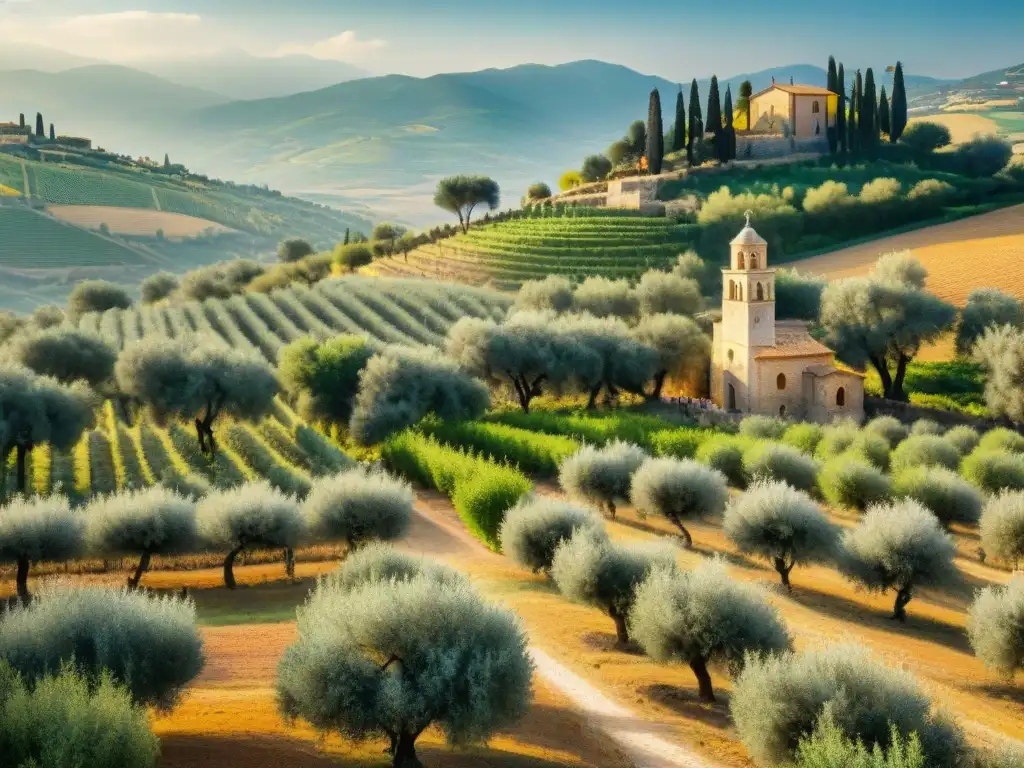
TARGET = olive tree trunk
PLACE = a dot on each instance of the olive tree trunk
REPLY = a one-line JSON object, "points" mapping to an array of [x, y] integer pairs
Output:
{"points": [[143, 566], [405, 753], [22, 579], [700, 671], [229, 566]]}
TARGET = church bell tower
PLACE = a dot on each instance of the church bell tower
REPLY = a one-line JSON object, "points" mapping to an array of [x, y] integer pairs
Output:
{"points": [[748, 292]]}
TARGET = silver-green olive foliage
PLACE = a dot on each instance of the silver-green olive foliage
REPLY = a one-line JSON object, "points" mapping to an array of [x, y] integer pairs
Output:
{"points": [[158, 287], [552, 294], [925, 451], [678, 490], [899, 546], [322, 376], [964, 438], [667, 293], [763, 427], [601, 475], [150, 645], [995, 626], [777, 462], [197, 381], [96, 296], [401, 385], [604, 297], [154, 521], [590, 569], [994, 471], [776, 522], [392, 658], [40, 529], [777, 700], [848, 481], [943, 492], [889, 427], [986, 308], [65, 354], [703, 617], [358, 507], [679, 342], [1001, 351], [1002, 527], [533, 529], [883, 320], [381, 562]]}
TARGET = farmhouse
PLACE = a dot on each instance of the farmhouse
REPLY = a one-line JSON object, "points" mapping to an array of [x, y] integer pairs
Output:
{"points": [[807, 110], [759, 365]]}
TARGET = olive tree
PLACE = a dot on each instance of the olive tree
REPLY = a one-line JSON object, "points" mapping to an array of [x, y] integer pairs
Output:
{"points": [[678, 490], [964, 438], [774, 461], [777, 700], [679, 342], [995, 626], [601, 475], [150, 645], [158, 287], [1002, 527], [604, 297], [359, 506], [798, 296], [926, 427], [154, 521], [553, 293], [590, 569], [667, 293], [889, 427], [401, 385], [252, 516], [293, 250], [986, 308], [782, 525], [38, 529], [462, 194], [96, 296], [322, 377], [197, 381], [925, 451], [392, 658], [534, 528], [1001, 351], [899, 546], [703, 617], [380, 562], [994, 471], [760, 427], [1002, 439], [941, 491], [847, 481], [65, 354], [37, 410]]}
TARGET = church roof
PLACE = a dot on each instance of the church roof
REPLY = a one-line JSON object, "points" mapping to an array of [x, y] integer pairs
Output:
{"points": [[821, 371], [799, 89], [748, 236], [793, 340]]}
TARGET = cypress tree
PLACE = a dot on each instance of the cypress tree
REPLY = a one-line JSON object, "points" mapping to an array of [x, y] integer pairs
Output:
{"points": [[853, 133], [841, 141], [21, 119], [746, 91], [832, 83], [655, 151], [167, 161], [39, 123], [898, 105], [730, 131], [695, 127], [346, 236], [868, 117], [53, 136], [884, 125], [715, 116], [679, 134]]}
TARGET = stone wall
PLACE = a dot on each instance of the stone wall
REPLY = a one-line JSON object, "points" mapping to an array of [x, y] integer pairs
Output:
{"points": [[908, 414], [762, 146]]}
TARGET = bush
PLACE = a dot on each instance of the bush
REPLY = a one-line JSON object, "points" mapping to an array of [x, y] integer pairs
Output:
{"points": [[995, 627], [943, 492], [464, 665], [359, 506], [66, 354], [880, 190], [352, 257], [923, 137], [704, 617], [553, 293], [994, 471], [38, 530], [665, 292], [836, 439], [678, 490], [1002, 439], [569, 180], [602, 297], [986, 307], [251, 516], [158, 287], [378, 562], [538, 191], [983, 156], [872, 448], [150, 645], [1002, 527], [782, 525], [66, 721], [601, 476], [803, 436], [724, 453], [924, 451], [532, 452], [155, 521], [595, 168], [797, 296], [925, 427], [772, 461], [293, 250], [322, 377], [679, 443], [963, 438], [589, 569], [96, 296], [847, 482], [829, 747], [778, 700], [534, 528], [763, 428], [931, 189], [899, 546]]}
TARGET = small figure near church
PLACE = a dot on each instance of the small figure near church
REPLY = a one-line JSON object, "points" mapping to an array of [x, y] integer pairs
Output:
{"points": [[775, 368]]}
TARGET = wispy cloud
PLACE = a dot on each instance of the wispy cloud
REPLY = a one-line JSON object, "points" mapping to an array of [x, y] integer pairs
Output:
{"points": [[344, 47]]}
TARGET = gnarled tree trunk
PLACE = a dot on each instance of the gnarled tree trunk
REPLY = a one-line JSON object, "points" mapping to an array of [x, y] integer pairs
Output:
{"points": [[621, 630], [700, 671], [903, 596], [143, 566], [784, 568], [22, 579], [229, 566], [405, 753]]}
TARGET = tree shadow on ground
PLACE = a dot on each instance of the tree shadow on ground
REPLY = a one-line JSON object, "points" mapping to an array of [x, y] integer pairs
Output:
{"points": [[1007, 690], [686, 703]]}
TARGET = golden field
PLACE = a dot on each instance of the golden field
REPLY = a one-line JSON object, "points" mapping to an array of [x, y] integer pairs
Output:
{"points": [[139, 222], [962, 127]]}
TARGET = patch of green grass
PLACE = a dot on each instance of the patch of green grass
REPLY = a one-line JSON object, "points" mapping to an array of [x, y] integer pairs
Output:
{"points": [[269, 603], [956, 385]]}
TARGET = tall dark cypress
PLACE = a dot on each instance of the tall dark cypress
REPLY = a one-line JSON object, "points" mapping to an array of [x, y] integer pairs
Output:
{"points": [[167, 161], [21, 119], [853, 132], [832, 84], [868, 118], [695, 126], [714, 124], [347, 237], [898, 105], [746, 91], [39, 124], [729, 132], [53, 136], [655, 151], [841, 140], [679, 134], [884, 125]]}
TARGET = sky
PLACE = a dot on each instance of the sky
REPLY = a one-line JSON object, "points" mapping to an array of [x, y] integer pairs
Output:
{"points": [[670, 38]]}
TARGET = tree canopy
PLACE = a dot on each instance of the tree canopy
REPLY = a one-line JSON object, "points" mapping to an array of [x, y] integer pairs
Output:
{"points": [[65, 354], [96, 296], [985, 308], [322, 377], [293, 250], [1001, 351], [462, 194], [158, 286]]}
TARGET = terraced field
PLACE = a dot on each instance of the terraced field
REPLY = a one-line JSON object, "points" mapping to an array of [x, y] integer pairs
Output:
{"points": [[29, 240], [135, 221], [509, 253]]}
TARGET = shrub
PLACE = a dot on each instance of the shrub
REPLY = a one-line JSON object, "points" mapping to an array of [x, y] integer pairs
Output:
{"points": [[924, 451], [772, 461], [986, 307], [533, 529], [995, 626], [943, 492], [880, 190], [35, 530], [763, 428], [680, 443], [158, 287], [963, 438], [464, 665], [665, 292], [155, 521], [872, 448], [848, 482], [251, 516], [778, 700], [569, 180], [1002, 527], [983, 155], [538, 191], [96, 296], [602, 297], [925, 427], [359, 506], [378, 562], [930, 188], [553, 293], [899, 546], [803, 436], [837, 439], [830, 196], [595, 167], [322, 377], [601, 476], [293, 250], [591, 570], [797, 296], [704, 617], [532, 452], [150, 645], [1002, 439], [782, 525], [889, 427], [66, 354], [724, 453], [64, 721], [678, 490], [994, 471], [923, 137], [352, 257], [829, 747]]}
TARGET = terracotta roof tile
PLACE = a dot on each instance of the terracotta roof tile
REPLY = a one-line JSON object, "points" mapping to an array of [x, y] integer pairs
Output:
{"points": [[798, 89], [793, 340]]}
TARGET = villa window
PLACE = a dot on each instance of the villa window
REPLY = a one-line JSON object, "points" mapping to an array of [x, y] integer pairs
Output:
{"points": [[741, 264], [732, 289], [841, 397], [815, 108], [780, 381], [753, 261], [760, 292]]}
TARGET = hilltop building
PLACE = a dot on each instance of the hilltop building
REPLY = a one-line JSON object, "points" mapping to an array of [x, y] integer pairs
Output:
{"points": [[807, 110], [775, 368]]}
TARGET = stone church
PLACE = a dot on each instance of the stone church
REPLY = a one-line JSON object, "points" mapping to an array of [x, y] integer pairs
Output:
{"points": [[775, 368]]}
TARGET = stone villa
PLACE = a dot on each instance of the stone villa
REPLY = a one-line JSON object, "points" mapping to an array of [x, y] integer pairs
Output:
{"points": [[807, 109], [775, 368]]}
